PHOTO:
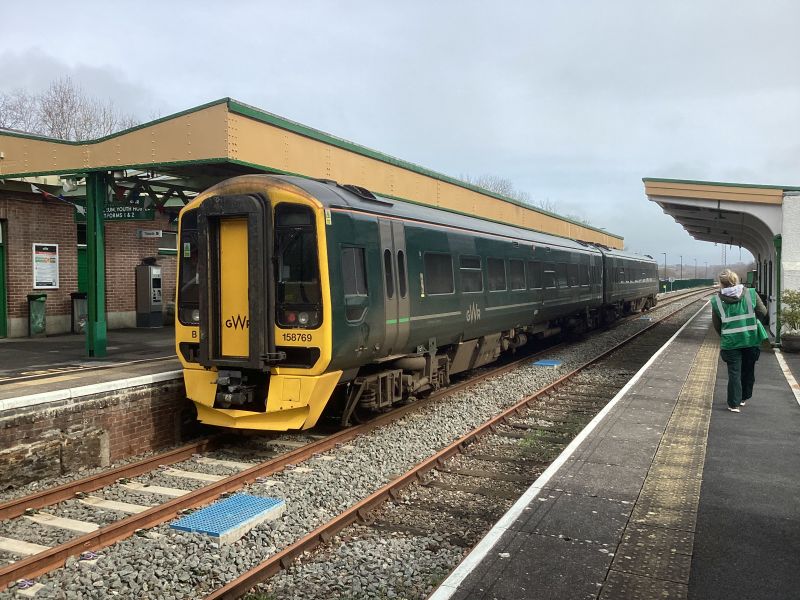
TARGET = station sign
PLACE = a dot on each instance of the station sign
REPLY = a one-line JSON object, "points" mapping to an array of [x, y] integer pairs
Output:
{"points": [[117, 212], [149, 233]]}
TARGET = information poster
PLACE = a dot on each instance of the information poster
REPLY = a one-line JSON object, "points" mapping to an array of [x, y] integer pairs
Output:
{"points": [[45, 266]]}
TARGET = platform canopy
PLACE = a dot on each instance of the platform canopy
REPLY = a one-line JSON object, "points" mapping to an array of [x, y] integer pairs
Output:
{"points": [[204, 145], [763, 219]]}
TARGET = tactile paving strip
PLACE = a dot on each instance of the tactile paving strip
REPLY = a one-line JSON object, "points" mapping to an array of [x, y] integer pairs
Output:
{"points": [[654, 557]]}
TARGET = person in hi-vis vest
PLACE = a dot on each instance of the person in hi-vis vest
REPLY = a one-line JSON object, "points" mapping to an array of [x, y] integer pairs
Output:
{"points": [[736, 312]]}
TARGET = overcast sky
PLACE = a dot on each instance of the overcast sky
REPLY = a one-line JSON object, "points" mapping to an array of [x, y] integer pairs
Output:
{"points": [[573, 101]]}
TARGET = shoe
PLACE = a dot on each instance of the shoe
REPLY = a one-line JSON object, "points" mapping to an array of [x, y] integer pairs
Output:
{"points": [[734, 409], [743, 403]]}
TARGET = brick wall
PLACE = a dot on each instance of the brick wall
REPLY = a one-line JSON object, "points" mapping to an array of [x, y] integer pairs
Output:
{"points": [[30, 218], [51, 440]]}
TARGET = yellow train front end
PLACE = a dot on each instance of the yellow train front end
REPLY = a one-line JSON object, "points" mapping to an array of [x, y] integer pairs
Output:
{"points": [[254, 315]]}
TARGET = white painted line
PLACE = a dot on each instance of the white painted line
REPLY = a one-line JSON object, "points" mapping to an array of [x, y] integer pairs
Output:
{"points": [[474, 558], [102, 503], [787, 373], [231, 464], [19, 547], [87, 390], [155, 489], [62, 523], [31, 591], [207, 477]]}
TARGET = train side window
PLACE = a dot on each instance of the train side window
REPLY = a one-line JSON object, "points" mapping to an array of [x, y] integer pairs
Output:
{"points": [[401, 272], [354, 279], [497, 274], [438, 273], [534, 275], [572, 275], [549, 275], [621, 276], [471, 274], [561, 273], [583, 275], [387, 272], [516, 270]]}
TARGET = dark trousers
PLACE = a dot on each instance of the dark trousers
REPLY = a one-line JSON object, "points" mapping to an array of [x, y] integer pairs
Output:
{"points": [[741, 373]]}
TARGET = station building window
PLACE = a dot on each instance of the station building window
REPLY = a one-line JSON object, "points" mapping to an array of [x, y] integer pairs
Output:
{"points": [[438, 273], [497, 274], [471, 274]]}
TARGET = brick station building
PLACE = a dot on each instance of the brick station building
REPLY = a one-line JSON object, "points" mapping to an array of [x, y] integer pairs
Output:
{"points": [[29, 217]]}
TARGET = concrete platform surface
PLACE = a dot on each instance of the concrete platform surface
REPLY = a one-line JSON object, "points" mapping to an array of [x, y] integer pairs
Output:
{"points": [[40, 365], [666, 495]]}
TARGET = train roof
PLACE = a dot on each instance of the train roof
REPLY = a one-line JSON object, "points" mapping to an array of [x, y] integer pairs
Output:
{"points": [[333, 195], [629, 255]]}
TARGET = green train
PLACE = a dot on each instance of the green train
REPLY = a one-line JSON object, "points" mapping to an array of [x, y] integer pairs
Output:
{"points": [[296, 295]]}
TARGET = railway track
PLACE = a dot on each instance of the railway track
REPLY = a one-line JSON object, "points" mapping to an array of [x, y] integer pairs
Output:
{"points": [[149, 516], [428, 500]]}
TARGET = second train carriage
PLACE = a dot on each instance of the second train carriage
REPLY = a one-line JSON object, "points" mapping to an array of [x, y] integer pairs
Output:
{"points": [[293, 292]]}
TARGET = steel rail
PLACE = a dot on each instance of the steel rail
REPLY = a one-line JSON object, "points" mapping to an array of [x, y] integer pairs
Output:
{"points": [[55, 557], [359, 511], [18, 506]]}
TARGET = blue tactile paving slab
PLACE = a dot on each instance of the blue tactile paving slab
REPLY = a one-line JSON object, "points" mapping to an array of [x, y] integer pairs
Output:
{"points": [[229, 519], [548, 363]]}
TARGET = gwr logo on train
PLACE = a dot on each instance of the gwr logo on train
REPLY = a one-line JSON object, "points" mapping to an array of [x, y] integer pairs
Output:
{"points": [[473, 313], [238, 322]]}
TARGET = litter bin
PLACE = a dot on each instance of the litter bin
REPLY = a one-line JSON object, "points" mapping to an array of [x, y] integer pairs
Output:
{"points": [[37, 323], [80, 311]]}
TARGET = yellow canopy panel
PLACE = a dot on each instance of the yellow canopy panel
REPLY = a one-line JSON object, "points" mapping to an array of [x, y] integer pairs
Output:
{"points": [[226, 138]]}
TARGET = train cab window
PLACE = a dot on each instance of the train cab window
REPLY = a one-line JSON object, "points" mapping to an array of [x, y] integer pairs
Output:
{"points": [[516, 272], [471, 274], [561, 274], [534, 272], [438, 273], [572, 275], [297, 274], [354, 280], [401, 272], [496, 268], [387, 272], [549, 275]]}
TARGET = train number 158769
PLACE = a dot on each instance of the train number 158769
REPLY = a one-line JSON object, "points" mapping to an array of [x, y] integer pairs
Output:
{"points": [[296, 337]]}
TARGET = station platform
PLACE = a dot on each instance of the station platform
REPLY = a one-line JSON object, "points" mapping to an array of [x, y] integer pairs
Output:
{"points": [[665, 494], [40, 366]]}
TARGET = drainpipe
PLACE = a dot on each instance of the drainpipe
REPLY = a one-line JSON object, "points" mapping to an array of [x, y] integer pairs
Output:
{"points": [[778, 244]]}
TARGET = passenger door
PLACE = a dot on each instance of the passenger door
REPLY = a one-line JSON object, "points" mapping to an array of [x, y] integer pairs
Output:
{"points": [[395, 285]]}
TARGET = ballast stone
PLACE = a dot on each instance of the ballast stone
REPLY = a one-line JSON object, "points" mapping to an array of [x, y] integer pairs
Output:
{"points": [[228, 520]]}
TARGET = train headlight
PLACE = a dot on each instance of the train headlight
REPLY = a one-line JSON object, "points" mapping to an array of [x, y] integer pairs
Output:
{"points": [[302, 318], [196, 315], [291, 318]]}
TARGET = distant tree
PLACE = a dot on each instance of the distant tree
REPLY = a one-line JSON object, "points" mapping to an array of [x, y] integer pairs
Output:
{"points": [[498, 185], [62, 111]]}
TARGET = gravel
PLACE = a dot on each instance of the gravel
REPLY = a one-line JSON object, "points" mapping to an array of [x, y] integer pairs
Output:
{"points": [[173, 564]]}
